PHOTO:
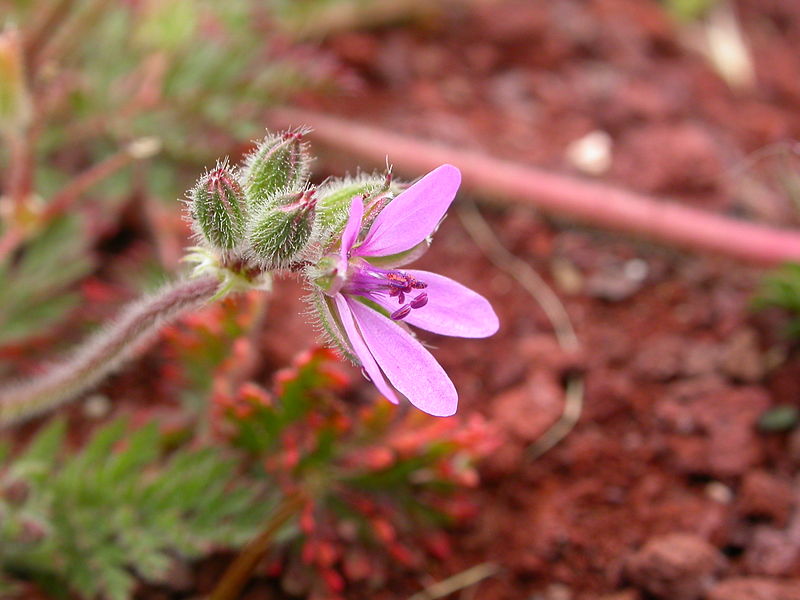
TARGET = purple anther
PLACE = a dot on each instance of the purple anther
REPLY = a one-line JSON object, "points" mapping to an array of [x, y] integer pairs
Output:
{"points": [[400, 313], [420, 301]]}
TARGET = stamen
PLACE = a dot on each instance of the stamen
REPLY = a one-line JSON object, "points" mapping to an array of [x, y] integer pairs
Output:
{"points": [[369, 281], [400, 313], [419, 301], [397, 280]]}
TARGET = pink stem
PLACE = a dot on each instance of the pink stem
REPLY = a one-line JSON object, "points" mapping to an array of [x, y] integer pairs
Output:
{"points": [[594, 203], [9, 240], [66, 197], [20, 170]]}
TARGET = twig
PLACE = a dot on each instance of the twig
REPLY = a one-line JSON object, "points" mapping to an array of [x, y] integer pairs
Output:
{"points": [[573, 406], [104, 352], [457, 582], [241, 569], [71, 32], [54, 14], [63, 200], [9, 241], [595, 203], [528, 278], [21, 163]]}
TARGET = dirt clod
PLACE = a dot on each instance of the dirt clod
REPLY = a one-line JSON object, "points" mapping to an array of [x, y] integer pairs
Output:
{"points": [[755, 588], [675, 566], [764, 495]]}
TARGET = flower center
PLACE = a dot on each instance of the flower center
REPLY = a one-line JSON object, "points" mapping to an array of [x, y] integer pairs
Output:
{"points": [[369, 281]]}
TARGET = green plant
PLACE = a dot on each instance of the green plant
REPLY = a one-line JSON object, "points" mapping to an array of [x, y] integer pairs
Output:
{"points": [[122, 508], [37, 287], [379, 489], [781, 288], [382, 485], [688, 10]]}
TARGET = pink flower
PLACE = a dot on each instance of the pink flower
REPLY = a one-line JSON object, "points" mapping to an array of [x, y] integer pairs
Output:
{"points": [[372, 305]]}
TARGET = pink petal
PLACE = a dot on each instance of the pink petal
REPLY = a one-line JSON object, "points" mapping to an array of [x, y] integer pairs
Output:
{"points": [[452, 309], [393, 261], [413, 215], [362, 351], [410, 368]]}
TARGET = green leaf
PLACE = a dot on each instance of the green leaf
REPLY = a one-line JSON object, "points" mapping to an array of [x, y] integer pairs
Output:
{"points": [[118, 509], [45, 447], [779, 418], [35, 285], [141, 449]]}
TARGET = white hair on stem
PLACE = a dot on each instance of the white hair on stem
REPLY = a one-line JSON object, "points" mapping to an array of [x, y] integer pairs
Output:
{"points": [[103, 352]]}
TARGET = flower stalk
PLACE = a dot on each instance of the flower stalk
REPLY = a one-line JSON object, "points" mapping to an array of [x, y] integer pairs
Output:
{"points": [[105, 351]]}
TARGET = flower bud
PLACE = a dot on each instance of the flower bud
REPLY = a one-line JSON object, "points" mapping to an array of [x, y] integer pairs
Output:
{"points": [[279, 163], [336, 196], [282, 227], [218, 208], [15, 104]]}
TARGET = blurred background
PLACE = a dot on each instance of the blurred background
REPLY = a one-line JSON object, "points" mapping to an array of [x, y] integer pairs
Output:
{"points": [[630, 433]]}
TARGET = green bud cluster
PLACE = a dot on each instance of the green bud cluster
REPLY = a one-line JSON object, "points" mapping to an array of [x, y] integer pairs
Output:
{"points": [[264, 215]]}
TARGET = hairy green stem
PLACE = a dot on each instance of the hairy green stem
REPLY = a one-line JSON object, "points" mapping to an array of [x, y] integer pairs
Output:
{"points": [[103, 352]]}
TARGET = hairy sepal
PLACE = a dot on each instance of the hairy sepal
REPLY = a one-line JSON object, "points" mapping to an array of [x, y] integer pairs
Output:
{"points": [[281, 230], [280, 162], [336, 195], [218, 209], [322, 315]]}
